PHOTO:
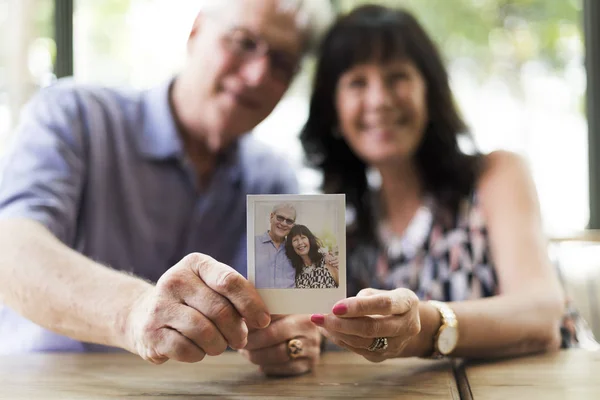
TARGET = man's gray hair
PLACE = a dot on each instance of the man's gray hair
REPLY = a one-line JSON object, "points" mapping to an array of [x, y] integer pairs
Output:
{"points": [[287, 206], [313, 17]]}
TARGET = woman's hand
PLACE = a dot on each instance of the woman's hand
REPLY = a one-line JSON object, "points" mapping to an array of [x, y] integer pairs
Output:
{"points": [[393, 315]]}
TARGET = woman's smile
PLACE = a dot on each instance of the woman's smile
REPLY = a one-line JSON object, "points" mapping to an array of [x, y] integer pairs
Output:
{"points": [[301, 245]]}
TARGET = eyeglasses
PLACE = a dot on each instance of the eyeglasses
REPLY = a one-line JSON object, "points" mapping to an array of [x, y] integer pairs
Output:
{"points": [[247, 46], [282, 219]]}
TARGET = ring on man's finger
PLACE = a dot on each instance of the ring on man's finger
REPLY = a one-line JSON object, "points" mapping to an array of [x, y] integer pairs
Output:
{"points": [[294, 348], [379, 343]]}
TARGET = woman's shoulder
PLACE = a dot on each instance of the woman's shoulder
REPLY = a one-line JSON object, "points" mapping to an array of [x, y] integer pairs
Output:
{"points": [[501, 173], [501, 166], [505, 180]]}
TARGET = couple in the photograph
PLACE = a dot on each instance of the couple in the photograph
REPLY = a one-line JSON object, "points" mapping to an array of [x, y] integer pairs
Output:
{"points": [[289, 255]]}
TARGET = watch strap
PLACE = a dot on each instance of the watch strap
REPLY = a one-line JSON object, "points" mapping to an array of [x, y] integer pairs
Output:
{"points": [[448, 318]]}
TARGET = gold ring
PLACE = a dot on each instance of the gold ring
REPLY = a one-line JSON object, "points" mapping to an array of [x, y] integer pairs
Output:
{"points": [[294, 348], [379, 343]]}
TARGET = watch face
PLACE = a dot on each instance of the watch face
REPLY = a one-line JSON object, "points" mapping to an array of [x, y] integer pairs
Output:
{"points": [[447, 339]]}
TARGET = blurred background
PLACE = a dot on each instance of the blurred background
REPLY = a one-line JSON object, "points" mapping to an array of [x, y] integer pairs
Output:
{"points": [[517, 67], [517, 70]]}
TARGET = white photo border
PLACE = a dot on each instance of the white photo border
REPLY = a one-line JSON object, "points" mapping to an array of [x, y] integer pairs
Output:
{"points": [[292, 300]]}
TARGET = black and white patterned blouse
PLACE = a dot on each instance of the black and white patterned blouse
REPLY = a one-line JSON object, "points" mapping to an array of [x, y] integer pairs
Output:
{"points": [[440, 263], [315, 277]]}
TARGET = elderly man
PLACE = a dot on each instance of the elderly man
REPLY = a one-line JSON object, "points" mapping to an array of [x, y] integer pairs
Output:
{"points": [[273, 267], [114, 201]]}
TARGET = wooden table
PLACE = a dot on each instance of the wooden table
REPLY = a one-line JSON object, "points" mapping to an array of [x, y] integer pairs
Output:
{"points": [[122, 376], [571, 374]]}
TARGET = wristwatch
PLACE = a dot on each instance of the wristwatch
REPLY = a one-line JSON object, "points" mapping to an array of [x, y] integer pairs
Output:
{"points": [[446, 338]]}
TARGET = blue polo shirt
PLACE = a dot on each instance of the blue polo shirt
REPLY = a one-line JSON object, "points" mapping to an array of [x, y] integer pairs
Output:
{"points": [[104, 170], [273, 268]]}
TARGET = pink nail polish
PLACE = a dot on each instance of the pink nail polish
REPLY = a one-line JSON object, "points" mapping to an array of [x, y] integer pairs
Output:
{"points": [[317, 319], [340, 309]]}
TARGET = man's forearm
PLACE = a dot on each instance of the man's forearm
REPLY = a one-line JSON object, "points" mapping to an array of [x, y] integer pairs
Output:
{"points": [[61, 290]]}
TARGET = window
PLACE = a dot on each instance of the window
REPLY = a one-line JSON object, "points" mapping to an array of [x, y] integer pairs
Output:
{"points": [[516, 68], [27, 53]]}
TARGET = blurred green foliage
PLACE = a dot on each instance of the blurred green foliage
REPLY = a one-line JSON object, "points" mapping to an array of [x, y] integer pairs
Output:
{"points": [[328, 239], [108, 21], [488, 30]]}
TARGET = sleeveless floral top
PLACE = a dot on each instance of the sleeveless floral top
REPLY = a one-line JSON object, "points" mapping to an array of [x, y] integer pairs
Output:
{"points": [[317, 276], [439, 263]]}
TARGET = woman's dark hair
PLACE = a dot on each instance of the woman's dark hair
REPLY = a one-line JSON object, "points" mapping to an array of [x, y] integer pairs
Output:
{"points": [[381, 34], [313, 253]]}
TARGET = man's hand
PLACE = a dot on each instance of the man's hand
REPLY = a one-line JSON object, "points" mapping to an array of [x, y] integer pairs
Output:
{"points": [[332, 260], [268, 347], [197, 307]]}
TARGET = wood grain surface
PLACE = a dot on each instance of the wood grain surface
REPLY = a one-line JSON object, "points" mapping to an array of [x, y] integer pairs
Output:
{"points": [[569, 374], [123, 376]]}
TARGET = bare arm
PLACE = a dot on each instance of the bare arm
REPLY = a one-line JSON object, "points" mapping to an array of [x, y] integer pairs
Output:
{"points": [[198, 307], [525, 316], [61, 290]]}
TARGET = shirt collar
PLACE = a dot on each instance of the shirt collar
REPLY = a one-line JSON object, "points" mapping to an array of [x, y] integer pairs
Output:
{"points": [[266, 238], [160, 139]]}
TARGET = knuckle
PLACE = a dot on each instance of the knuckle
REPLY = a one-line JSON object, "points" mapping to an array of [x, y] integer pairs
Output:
{"points": [[170, 283], [152, 321], [269, 336], [414, 327], [207, 335], [238, 337], [386, 304], [150, 334], [217, 348], [372, 328], [365, 292], [229, 282], [196, 259], [222, 313], [361, 307], [410, 298]]}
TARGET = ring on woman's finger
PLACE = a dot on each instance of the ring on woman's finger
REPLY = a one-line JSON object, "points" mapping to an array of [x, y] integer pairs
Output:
{"points": [[379, 343], [294, 348]]}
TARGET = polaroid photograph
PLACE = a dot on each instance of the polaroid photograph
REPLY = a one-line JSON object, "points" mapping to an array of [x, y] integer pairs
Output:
{"points": [[297, 251]]}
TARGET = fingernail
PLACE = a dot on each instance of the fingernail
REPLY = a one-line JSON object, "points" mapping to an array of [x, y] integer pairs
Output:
{"points": [[318, 319], [264, 321], [340, 309]]}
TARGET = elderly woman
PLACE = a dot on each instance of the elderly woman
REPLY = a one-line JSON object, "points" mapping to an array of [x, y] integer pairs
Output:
{"points": [[308, 258], [446, 256]]}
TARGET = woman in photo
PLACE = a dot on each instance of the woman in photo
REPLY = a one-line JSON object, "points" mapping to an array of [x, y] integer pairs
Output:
{"points": [[445, 251], [305, 251]]}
